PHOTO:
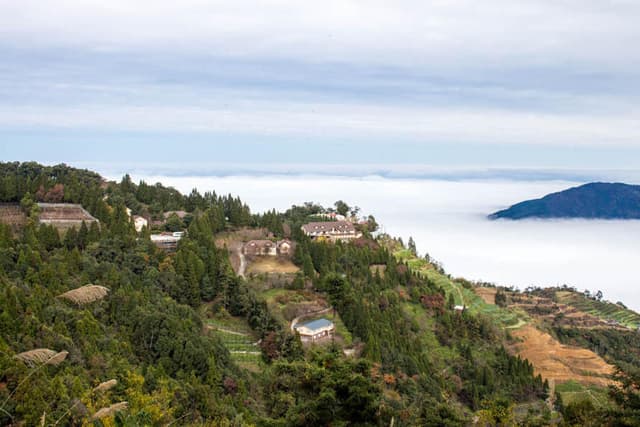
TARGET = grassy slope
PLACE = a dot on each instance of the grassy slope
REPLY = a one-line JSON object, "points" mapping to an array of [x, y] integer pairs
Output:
{"points": [[507, 318], [462, 296]]}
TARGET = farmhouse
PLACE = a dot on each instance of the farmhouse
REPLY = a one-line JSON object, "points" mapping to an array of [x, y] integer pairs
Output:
{"points": [[332, 230], [267, 248], [64, 215], [260, 247], [315, 330]]}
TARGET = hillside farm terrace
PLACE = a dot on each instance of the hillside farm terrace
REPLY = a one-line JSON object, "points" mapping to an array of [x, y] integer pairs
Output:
{"points": [[64, 215], [331, 230]]}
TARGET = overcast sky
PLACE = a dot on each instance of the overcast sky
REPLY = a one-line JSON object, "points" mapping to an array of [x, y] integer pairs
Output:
{"points": [[535, 83]]}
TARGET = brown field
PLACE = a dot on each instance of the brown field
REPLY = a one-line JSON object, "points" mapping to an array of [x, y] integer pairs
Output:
{"points": [[555, 361], [11, 214], [487, 294], [269, 264]]}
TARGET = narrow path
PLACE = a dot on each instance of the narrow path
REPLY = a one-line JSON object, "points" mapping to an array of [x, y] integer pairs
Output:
{"points": [[295, 321], [255, 353], [243, 263], [517, 325]]}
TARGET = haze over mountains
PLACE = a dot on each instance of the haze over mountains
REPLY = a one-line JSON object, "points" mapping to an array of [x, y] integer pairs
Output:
{"points": [[596, 200]]}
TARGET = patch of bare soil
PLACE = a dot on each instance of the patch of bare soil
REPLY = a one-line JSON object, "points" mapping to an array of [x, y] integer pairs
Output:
{"points": [[555, 361], [487, 294], [270, 265]]}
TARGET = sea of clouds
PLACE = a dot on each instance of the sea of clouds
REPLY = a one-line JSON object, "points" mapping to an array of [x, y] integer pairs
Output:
{"points": [[447, 219]]}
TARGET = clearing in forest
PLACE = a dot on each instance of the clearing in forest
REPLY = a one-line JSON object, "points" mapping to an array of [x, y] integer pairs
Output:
{"points": [[560, 362], [239, 339], [271, 265]]}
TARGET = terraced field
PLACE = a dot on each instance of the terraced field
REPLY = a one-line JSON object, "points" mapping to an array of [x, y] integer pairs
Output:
{"points": [[239, 339], [573, 392], [601, 309]]}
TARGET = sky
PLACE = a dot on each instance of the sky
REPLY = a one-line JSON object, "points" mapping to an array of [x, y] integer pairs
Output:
{"points": [[497, 83]]}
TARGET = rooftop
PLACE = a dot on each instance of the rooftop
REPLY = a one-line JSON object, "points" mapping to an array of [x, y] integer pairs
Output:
{"points": [[329, 226], [316, 324]]}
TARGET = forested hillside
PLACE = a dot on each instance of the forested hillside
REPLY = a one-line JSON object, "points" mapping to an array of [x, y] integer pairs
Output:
{"points": [[100, 327], [594, 200]]}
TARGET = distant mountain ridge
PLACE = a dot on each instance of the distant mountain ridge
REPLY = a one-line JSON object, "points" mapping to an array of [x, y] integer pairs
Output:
{"points": [[596, 200]]}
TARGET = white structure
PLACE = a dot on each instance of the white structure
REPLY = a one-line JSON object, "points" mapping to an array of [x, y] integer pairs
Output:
{"points": [[166, 241], [140, 222], [315, 330]]}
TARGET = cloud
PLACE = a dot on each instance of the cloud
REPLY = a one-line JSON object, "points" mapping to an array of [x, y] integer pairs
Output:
{"points": [[561, 72], [333, 121], [407, 32]]}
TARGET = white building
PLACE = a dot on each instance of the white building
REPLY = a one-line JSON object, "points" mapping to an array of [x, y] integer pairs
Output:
{"points": [[315, 330]]}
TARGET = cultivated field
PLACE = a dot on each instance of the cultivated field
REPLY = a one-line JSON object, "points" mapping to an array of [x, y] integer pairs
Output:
{"points": [[271, 265], [239, 339], [560, 362]]}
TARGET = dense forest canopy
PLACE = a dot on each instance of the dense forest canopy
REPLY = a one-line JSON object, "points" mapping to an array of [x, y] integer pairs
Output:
{"points": [[98, 325]]}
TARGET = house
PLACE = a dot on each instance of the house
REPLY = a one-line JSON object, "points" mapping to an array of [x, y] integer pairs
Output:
{"points": [[260, 247], [267, 247], [64, 215], [166, 241], [140, 222], [459, 308], [315, 330], [332, 230]]}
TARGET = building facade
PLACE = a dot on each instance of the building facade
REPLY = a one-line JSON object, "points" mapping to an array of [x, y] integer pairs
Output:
{"points": [[331, 230]]}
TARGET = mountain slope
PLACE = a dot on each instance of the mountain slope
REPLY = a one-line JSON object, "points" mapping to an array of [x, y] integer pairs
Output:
{"points": [[593, 200]]}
